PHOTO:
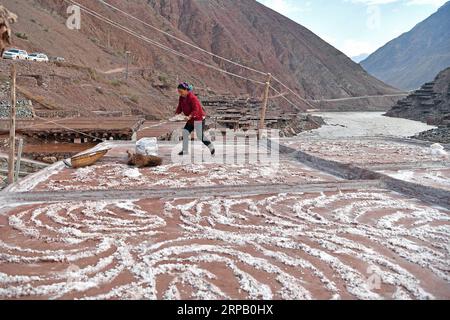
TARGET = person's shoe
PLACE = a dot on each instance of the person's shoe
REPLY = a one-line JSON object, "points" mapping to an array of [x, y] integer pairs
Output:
{"points": [[183, 154], [212, 149]]}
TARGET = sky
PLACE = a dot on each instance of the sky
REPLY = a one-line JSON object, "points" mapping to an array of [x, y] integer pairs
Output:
{"points": [[356, 27]]}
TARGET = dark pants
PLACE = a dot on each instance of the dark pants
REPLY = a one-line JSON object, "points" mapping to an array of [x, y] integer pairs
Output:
{"points": [[199, 128]]}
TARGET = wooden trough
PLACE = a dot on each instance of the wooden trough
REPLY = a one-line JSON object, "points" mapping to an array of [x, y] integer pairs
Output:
{"points": [[86, 159]]}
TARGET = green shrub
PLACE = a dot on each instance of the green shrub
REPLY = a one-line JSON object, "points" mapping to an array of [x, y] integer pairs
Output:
{"points": [[116, 83], [135, 99], [21, 35]]}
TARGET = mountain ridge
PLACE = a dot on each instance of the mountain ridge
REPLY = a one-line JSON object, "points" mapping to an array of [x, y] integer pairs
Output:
{"points": [[416, 56], [246, 32]]}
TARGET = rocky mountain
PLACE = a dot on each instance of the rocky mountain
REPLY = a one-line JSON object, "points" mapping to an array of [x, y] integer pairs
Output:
{"points": [[431, 104], [6, 19], [416, 56], [243, 31]]}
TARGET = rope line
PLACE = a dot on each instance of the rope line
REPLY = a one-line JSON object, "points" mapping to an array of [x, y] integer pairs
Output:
{"points": [[70, 129], [178, 53], [158, 44], [361, 97], [181, 40], [293, 92], [280, 95]]}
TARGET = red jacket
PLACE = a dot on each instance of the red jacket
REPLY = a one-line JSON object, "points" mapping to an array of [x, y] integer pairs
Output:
{"points": [[191, 106]]}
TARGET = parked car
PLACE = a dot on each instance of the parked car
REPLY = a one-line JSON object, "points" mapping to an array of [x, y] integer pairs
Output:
{"points": [[57, 59], [37, 57], [15, 54]]}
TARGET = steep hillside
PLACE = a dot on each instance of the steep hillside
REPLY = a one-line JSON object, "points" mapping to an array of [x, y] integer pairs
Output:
{"points": [[244, 31], [431, 104], [416, 56]]}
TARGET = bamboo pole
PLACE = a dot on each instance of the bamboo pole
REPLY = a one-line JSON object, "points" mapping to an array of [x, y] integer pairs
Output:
{"points": [[128, 65], [12, 127], [19, 159], [262, 118]]}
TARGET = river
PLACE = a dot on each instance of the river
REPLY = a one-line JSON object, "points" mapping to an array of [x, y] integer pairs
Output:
{"points": [[362, 124]]}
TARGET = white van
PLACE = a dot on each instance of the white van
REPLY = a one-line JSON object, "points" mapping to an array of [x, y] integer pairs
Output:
{"points": [[15, 54]]}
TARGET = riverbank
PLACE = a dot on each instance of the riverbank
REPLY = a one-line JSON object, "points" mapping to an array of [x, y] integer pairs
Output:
{"points": [[439, 135]]}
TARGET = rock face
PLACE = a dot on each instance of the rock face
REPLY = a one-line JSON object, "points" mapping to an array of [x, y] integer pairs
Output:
{"points": [[6, 19], [23, 109], [244, 31], [431, 104], [439, 135], [416, 56], [255, 35]]}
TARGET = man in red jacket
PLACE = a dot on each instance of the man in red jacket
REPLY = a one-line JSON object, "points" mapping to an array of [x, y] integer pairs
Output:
{"points": [[191, 107]]}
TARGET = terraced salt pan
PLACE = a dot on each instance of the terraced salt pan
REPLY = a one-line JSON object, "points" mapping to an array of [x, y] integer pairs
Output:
{"points": [[110, 175], [366, 151], [433, 177], [334, 245]]}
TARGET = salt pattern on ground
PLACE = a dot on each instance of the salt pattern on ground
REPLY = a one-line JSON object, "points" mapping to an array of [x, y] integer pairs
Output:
{"points": [[366, 151], [107, 176], [286, 246]]}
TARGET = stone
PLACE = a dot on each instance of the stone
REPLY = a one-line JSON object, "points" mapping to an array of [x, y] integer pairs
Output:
{"points": [[50, 159]]}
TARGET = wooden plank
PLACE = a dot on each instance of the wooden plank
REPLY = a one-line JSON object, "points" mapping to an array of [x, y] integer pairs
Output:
{"points": [[264, 105], [19, 159], [12, 127]]}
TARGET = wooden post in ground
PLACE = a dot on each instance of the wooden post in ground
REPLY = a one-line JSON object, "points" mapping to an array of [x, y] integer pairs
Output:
{"points": [[12, 127], [19, 159], [265, 102], [109, 37], [128, 65]]}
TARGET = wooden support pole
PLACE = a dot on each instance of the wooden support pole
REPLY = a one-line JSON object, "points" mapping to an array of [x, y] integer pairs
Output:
{"points": [[109, 37], [19, 159], [265, 102], [12, 127], [128, 65]]}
